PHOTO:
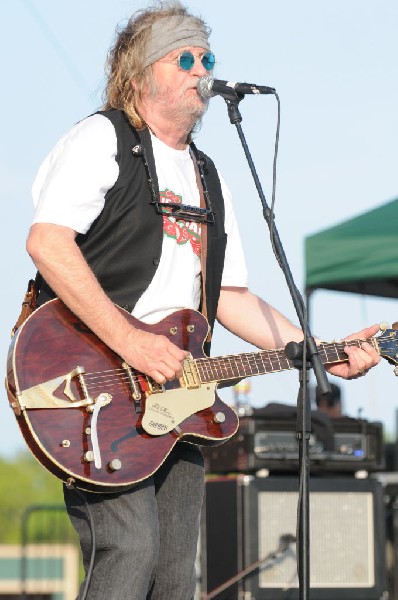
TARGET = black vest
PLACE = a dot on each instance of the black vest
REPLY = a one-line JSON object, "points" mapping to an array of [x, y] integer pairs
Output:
{"points": [[124, 244]]}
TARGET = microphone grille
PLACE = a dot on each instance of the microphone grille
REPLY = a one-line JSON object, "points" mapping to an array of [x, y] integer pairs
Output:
{"points": [[204, 86]]}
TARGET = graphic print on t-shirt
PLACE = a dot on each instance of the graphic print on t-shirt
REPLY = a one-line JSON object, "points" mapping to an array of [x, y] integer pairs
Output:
{"points": [[182, 231]]}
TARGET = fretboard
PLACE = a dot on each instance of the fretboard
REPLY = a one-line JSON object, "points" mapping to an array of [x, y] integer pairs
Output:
{"points": [[249, 364]]}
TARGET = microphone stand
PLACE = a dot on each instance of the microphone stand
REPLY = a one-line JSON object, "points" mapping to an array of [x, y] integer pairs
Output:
{"points": [[304, 356]]}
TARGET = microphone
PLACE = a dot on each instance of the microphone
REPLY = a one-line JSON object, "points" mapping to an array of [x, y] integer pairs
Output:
{"points": [[208, 87]]}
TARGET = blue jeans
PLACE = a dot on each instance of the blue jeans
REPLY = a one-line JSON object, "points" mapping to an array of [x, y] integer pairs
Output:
{"points": [[146, 537]]}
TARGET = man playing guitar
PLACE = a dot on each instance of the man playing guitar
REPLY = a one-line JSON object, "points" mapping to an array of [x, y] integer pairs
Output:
{"points": [[130, 214]]}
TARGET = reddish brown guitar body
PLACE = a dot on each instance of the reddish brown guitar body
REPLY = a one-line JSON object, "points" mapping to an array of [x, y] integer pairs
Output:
{"points": [[53, 342], [93, 421]]}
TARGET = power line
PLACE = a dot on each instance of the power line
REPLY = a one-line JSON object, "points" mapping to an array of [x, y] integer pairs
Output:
{"points": [[53, 40]]}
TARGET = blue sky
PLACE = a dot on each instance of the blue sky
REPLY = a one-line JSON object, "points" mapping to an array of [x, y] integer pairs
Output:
{"points": [[334, 67]]}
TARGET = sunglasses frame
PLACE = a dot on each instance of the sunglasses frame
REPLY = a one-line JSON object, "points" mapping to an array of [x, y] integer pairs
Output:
{"points": [[188, 54]]}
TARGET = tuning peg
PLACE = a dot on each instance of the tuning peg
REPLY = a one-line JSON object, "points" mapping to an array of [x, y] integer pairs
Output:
{"points": [[384, 326], [395, 325], [396, 371]]}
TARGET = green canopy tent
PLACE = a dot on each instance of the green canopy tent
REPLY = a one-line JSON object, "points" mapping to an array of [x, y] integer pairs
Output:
{"points": [[359, 255]]}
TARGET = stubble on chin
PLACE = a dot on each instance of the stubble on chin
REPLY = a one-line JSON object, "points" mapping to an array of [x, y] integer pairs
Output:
{"points": [[185, 110]]}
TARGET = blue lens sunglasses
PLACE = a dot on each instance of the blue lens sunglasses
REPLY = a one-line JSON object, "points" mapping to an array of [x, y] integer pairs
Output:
{"points": [[186, 60]]}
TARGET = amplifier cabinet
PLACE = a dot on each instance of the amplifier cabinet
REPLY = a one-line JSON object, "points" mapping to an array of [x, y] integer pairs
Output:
{"points": [[246, 518], [336, 446]]}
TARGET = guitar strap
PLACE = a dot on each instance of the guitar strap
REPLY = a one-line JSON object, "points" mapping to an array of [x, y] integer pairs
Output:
{"points": [[29, 303], [203, 239]]}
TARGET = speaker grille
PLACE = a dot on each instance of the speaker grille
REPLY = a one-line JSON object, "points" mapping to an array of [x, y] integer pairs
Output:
{"points": [[246, 518], [341, 539]]}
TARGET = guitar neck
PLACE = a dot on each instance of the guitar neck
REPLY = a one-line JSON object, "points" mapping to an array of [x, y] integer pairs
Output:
{"points": [[249, 364]]}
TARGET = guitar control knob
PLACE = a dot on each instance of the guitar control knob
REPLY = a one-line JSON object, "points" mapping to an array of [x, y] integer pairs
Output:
{"points": [[88, 456], [115, 464], [219, 417]]}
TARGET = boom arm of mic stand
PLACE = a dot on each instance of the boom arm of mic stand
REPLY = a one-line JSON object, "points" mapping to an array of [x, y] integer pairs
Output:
{"points": [[310, 353]]}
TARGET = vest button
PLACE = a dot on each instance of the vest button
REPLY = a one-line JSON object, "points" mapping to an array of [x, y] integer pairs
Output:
{"points": [[156, 261]]}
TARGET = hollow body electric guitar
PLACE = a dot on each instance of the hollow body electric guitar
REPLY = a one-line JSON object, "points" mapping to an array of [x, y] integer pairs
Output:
{"points": [[96, 423]]}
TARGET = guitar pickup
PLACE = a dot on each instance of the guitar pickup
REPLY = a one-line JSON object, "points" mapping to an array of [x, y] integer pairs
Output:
{"points": [[153, 387], [189, 380], [190, 374]]}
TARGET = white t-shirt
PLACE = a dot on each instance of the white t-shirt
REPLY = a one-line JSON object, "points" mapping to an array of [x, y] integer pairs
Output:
{"points": [[70, 189]]}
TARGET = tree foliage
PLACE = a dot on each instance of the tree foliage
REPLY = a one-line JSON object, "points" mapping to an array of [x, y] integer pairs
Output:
{"points": [[24, 483]]}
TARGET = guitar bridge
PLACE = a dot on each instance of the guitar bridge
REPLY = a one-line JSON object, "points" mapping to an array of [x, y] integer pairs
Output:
{"points": [[43, 394], [134, 386]]}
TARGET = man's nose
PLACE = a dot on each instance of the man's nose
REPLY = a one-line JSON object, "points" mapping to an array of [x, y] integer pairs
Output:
{"points": [[198, 68]]}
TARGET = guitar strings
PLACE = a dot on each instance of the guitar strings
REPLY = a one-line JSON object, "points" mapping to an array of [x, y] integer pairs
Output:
{"points": [[216, 368]]}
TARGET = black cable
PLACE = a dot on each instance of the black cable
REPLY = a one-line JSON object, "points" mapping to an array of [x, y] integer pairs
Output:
{"points": [[303, 306], [265, 563], [276, 148]]}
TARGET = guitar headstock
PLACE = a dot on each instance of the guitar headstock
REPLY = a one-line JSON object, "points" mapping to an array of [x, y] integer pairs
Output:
{"points": [[387, 343]]}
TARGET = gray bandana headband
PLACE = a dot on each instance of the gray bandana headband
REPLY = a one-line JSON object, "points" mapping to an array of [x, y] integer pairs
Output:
{"points": [[171, 33]]}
